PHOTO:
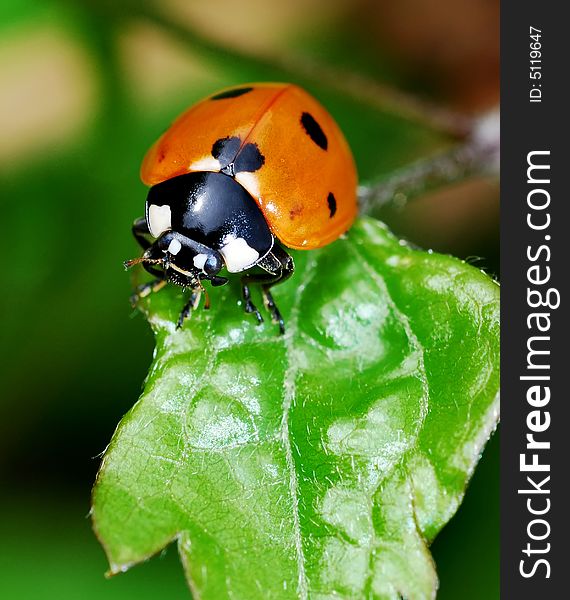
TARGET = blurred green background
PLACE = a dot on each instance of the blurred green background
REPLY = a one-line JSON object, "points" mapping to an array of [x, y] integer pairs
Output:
{"points": [[85, 88]]}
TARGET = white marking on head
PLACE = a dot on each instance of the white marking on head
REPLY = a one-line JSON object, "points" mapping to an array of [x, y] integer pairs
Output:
{"points": [[174, 247], [249, 182], [238, 255], [159, 219], [200, 261], [208, 163]]}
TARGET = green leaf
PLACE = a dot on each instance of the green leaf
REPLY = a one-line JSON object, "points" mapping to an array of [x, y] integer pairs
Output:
{"points": [[319, 464]]}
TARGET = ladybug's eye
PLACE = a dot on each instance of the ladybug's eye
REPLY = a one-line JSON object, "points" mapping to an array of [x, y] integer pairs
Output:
{"points": [[213, 264], [210, 262]]}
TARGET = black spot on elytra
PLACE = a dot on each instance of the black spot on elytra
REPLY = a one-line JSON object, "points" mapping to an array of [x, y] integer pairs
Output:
{"points": [[314, 131], [225, 150], [331, 200], [234, 93], [249, 158]]}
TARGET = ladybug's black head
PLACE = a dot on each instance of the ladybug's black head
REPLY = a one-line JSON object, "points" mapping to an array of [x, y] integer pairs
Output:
{"points": [[214, 210], [183, 261]]}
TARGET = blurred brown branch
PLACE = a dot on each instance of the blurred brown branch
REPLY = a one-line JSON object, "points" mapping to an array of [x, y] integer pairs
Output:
{"points": [[475, 153], [354, 85], [478, 155]]}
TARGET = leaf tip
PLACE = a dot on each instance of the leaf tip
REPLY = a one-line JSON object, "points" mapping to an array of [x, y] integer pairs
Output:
{"points": [[117, 569]]}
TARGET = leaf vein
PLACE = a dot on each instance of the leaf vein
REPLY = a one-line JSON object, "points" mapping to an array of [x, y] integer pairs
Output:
{"points": [[289, 390]]}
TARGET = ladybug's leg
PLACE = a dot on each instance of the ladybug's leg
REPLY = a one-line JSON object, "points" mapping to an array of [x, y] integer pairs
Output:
{"points": [[287, 266], [249, 306], [191, 305], [158, 273], [279, 266], [283, 262], [140, 231], [143, 290]]}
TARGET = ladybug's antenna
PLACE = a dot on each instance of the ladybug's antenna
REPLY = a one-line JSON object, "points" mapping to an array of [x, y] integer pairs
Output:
{"points": [[206, 297], [142, 259]]}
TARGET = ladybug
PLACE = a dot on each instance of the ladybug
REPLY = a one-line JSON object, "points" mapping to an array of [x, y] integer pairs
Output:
{"points": [[236, 179]]}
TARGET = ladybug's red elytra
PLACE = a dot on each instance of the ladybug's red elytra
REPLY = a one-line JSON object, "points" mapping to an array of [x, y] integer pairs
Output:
{"points": [[236, 178]]}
